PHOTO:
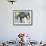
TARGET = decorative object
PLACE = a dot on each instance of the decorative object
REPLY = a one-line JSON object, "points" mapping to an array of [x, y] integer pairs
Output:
{"points": [[22, 17]]}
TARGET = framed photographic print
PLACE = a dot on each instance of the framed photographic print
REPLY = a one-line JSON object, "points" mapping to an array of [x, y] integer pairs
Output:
{"points": [[22, 17]]}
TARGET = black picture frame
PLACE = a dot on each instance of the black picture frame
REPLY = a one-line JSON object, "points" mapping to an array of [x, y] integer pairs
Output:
{"points": [[15, 12]]}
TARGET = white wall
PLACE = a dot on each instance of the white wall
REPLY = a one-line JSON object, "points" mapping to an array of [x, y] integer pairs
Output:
{"points": [[38, 30]]}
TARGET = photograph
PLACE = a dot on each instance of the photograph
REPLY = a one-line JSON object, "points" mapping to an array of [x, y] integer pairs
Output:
{"points": [[22, 16]]}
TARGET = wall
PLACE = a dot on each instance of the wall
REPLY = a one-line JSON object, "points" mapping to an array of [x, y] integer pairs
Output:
{"points": [[38, 29]]}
